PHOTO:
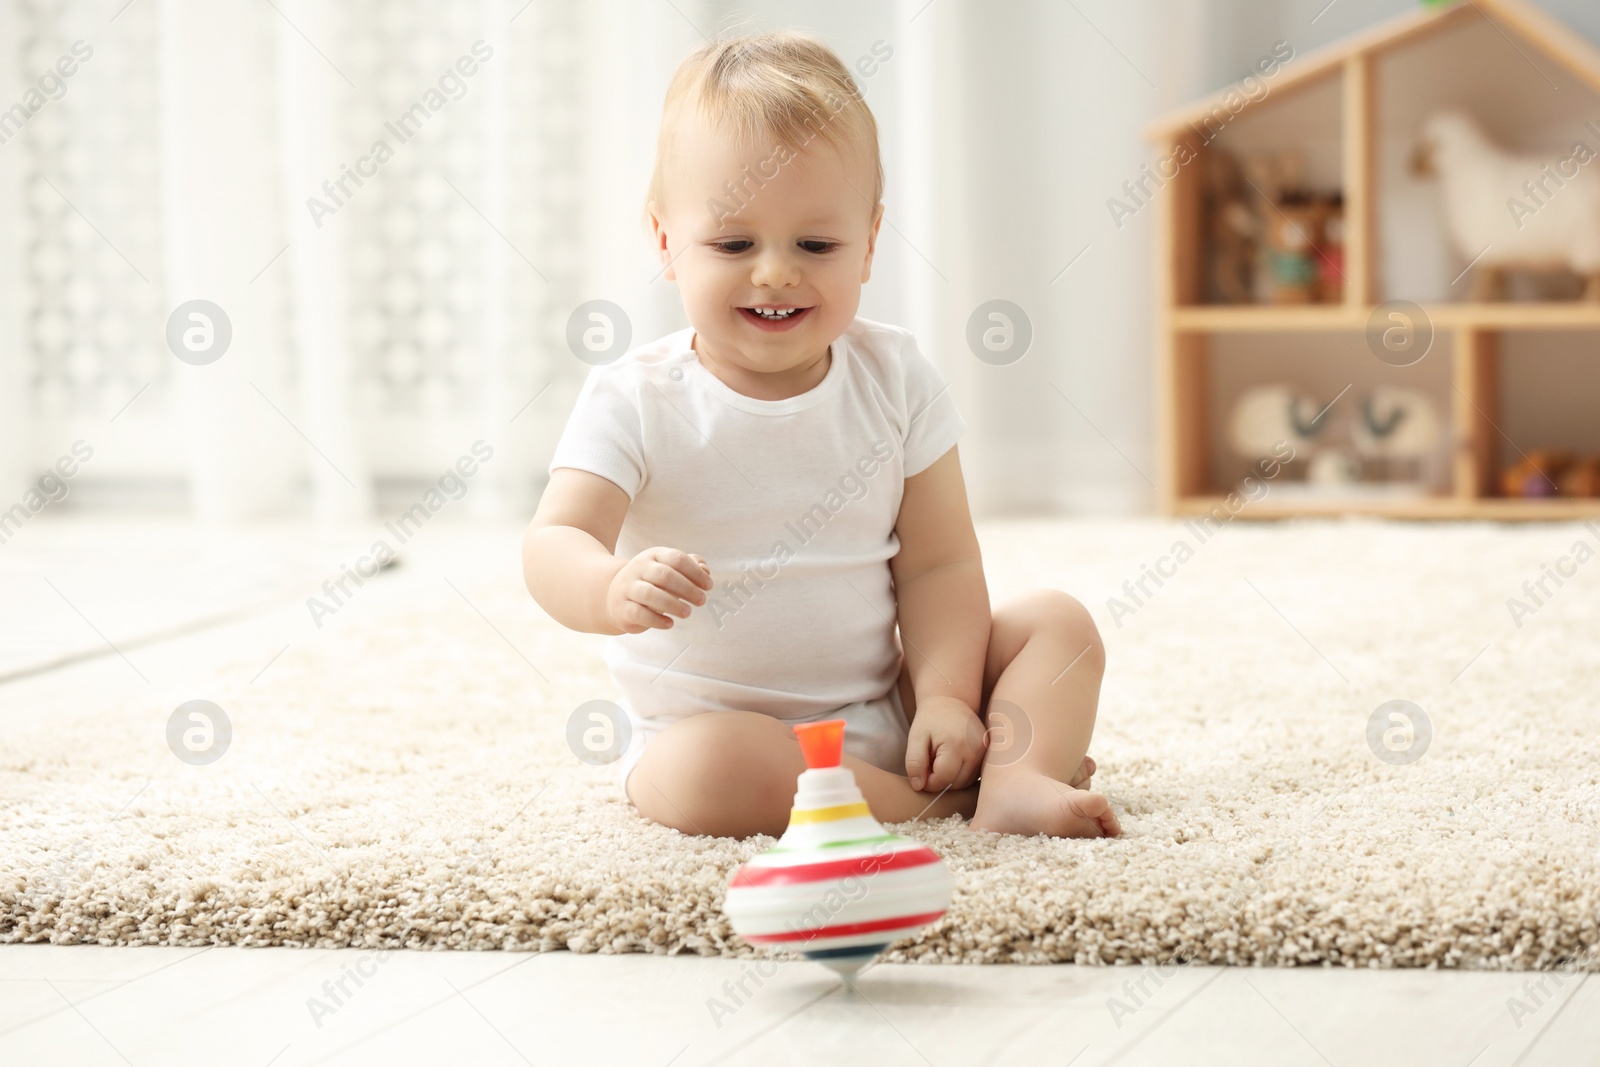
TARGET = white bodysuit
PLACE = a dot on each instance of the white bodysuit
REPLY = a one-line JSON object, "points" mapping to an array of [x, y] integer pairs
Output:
{"points": [[792, 503]]}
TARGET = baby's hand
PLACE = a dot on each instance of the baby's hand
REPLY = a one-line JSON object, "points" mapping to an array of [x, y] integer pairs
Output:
{"points": [[653, 583], [946, 746]]}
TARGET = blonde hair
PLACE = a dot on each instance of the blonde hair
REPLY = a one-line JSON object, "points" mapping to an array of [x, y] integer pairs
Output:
{"points": [[784, 88]]}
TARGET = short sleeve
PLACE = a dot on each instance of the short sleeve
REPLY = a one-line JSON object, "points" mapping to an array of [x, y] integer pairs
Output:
{"points": [[934, 424], [604, 434]]}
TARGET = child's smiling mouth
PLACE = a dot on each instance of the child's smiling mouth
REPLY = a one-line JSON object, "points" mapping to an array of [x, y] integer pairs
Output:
{"points": [[774, 317]]}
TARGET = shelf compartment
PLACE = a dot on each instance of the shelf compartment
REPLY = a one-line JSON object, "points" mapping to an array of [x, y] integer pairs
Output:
{"points": [[1526, 107], [1336, 369], [1545, 386]]}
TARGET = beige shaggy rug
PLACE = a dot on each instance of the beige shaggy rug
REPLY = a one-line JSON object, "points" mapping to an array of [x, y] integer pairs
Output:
{"points": [[400, 776]]}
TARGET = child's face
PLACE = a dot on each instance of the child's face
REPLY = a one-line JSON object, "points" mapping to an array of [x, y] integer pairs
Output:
{"points": [[803, 238]]}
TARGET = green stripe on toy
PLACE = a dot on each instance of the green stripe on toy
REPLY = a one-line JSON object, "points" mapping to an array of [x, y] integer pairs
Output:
{"points": [[844, 844]]}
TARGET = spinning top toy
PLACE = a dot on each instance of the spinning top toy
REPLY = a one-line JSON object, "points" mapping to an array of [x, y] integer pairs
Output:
{"points": [[837, 888]]}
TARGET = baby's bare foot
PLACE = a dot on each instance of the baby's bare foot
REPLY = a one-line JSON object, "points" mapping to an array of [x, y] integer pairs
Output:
{"points": [[1027, 802]]}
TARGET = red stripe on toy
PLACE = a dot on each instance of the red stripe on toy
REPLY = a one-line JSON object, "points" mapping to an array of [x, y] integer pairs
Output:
{"points": [[799, 873], [844, 929]]}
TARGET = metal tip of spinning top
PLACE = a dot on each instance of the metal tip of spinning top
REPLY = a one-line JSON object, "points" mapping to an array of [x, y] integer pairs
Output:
{"points": [[847, 963], [848, 968]]}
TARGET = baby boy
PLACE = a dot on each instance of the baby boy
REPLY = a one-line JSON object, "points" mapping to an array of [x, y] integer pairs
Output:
{"points": [[765, 510]]}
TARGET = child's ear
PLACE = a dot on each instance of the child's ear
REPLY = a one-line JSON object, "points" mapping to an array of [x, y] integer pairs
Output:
{"points": [[872, 242], [658, 234]]}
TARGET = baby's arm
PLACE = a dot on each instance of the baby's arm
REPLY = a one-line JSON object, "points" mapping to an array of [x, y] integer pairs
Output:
{"points": [[943, 604], [569, 567]]}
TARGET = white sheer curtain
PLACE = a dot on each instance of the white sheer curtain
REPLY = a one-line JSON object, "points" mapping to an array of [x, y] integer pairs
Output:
{"points": [[428, 309]]}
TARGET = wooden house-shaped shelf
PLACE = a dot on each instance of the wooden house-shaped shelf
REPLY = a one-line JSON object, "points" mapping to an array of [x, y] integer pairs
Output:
{"points": [[1507, 377]]}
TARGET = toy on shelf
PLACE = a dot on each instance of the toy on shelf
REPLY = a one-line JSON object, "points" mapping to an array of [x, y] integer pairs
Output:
{"points": [[1266, 418], [1291, 253], [1333, 471], [838, 888], [1394, 431], [1506, 211], [1232, 231], [1330, 248], [1582, 479], [1537, 474], [1552, 472], [1287, 271], [1267, 414], [1398, 428], [1300, 247]]}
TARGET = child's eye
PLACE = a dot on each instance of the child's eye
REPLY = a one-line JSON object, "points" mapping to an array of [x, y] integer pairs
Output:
{"points": [[826, 246], [728, 246]]}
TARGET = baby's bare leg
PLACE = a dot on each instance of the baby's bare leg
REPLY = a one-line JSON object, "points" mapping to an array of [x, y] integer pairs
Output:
{"points": [[733, 773], [1050, 661]]}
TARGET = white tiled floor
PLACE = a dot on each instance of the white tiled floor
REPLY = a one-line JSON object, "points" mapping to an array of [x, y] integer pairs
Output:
{"points": [[142, 580], [252, 1007]]}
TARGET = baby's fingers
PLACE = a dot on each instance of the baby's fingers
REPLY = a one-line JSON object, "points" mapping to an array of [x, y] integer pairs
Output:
{"points": [[946, 766], [917, 758], [683, 572], [968, 771], [636, 614], [656, 600], [676, 584]]}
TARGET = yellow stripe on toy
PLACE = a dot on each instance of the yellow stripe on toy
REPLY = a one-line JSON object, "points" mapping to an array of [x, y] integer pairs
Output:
{"points": [[838, 811]]}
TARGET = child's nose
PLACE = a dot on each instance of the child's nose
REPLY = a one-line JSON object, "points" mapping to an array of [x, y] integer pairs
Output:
{"points": [[775, 268]]}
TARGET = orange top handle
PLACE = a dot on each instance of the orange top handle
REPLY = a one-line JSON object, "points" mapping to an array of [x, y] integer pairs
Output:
{"points": [[821, 742]]}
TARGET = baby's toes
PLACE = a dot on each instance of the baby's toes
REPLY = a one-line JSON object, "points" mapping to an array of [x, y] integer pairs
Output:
{"points": [[1086, 771], [1097, 809]]}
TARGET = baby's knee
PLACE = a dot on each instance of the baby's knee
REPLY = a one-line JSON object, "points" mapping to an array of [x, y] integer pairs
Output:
{"points": [[1063, 616], [722, 773]]}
